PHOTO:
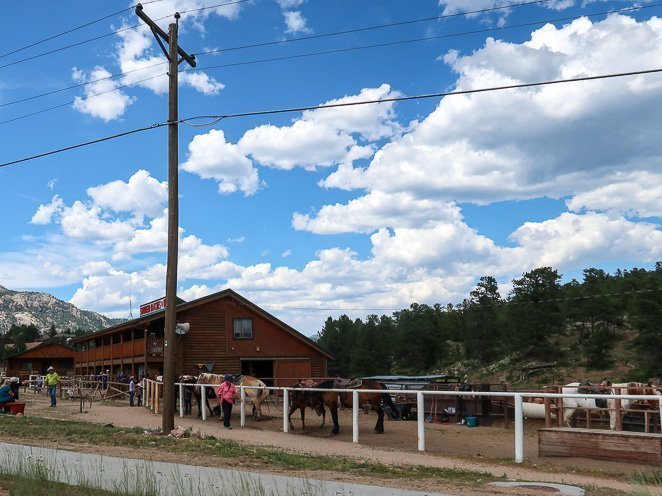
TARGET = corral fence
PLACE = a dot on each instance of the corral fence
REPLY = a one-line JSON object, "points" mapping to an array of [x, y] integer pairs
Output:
{"points": [[152, 394]]}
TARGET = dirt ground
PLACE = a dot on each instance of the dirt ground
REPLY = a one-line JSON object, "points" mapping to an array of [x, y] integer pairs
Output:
{"points": [[483, 449]]}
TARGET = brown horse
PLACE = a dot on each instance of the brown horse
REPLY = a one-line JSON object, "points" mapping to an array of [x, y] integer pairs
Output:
{"points": [[375, 400], [332, 399], [300, 400]]}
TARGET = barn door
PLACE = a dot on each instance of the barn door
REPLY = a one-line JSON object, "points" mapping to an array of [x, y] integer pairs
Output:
{"points": [[287, 372]]}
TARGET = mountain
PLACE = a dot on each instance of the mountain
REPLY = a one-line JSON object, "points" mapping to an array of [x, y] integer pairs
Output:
{"points": [[43, 311]]}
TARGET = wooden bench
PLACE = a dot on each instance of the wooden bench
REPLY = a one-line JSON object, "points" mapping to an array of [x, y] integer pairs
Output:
{"points": [[15, 407]]}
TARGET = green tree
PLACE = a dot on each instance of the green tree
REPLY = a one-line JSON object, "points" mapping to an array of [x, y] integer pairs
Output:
{"points": [[645, 311], [418, 339], [483, 321], [534, 313], [338, 338], [52, 332]]}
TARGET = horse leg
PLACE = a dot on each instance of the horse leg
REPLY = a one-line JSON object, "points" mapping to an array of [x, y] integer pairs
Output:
{"points": [[567, 416], [379, 426], [292, 409], [323, 414], [334, 417], [303, 417]]}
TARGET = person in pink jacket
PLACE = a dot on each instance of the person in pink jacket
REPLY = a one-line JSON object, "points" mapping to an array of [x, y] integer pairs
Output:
{"points": [[226, 393]]}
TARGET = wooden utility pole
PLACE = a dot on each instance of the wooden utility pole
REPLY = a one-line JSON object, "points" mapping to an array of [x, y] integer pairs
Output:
{"points": [[172, 53]]}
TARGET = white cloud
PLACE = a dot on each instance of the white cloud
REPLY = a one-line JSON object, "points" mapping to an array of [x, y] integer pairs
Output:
{"points": [[295, 22], [141, 195], [638, 194], [86, 222], [578, 240], [211, 157], [374, 211], [45, 213], [102, 98], [290, 4], [325, 137], [505, 145]]}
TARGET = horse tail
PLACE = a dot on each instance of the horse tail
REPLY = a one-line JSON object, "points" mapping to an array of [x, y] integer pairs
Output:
{"points": [[388, 401]]}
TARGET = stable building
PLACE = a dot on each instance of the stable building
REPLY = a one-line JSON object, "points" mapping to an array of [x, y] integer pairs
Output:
{"points": [[220, 333], [37, 357]]}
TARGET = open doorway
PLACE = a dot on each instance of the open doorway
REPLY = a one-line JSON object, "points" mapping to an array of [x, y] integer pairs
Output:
{"points": [[262, 369]]}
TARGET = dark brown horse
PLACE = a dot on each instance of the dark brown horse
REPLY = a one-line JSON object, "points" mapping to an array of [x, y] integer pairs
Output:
{"points": [[300, 400], [331, 399], [375, 400]]}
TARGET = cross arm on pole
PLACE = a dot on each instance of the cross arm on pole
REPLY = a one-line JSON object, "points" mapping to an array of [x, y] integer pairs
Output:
{"points": [[161, 36]]}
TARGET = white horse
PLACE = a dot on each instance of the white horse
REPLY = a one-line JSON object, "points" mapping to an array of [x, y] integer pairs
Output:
{"points": [[570, 405]]}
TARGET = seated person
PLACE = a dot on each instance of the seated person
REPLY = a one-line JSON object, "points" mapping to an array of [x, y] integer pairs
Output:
{"points": [[6, 394]]}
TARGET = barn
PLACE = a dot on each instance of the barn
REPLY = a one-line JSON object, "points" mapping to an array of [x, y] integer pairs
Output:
{"points": [[220, 333], [39, 356]]}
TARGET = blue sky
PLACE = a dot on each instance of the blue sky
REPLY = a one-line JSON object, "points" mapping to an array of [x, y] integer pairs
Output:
{"points": [[358, 210]]}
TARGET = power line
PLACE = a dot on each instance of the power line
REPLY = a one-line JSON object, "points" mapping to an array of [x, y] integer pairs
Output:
{"points": [[311, 54], [346, 104], [86, 143], [501, 303], [426, 96], [112, 76], [369, 28], [412, 40], [44, 40], [96, 38], [82, 98]]}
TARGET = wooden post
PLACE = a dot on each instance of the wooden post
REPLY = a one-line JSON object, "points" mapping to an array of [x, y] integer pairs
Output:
{"points": [[548, 413], [559, 412], [619, 414]]}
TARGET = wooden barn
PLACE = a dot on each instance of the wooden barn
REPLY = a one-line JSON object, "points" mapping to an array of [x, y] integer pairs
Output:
{"points": [[220, 333], [37, 358]]}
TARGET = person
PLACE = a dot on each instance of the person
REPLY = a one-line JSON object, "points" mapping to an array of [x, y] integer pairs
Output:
{"points": [[132, 389], [6, 394], [139, 394], [104, 383], [226, 393], [15, 387], [52, 379]]}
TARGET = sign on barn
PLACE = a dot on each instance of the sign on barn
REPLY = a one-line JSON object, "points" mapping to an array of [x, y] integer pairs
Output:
{"points": [[153, 306]]}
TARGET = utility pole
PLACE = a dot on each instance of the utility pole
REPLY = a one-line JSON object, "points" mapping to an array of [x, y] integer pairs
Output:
{"points": [[172, 53]]}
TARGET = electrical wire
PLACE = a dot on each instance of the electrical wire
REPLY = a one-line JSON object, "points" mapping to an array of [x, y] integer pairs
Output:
{"points": [[96, 38], [346, 104], [500, 303], [81, 98], [87, 143], [425, 96], [311, 54], [368, 28], [112, 76], [412, 40]]}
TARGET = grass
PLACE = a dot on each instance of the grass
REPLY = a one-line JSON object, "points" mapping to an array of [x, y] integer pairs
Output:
{"points": [[43, 431], [37, 429]]}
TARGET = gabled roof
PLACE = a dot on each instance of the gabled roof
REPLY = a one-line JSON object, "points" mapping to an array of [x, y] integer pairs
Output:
{"points": [[142, 321], [34, 346]]}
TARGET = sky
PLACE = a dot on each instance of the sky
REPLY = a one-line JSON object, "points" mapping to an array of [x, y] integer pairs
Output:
{"points": [[356, 210]]}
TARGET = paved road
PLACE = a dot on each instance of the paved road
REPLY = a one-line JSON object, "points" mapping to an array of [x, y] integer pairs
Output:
{"points": [[126, 474]]}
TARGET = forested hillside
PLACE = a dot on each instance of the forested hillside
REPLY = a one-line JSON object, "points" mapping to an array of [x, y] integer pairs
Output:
{"points": [[606, 321]]}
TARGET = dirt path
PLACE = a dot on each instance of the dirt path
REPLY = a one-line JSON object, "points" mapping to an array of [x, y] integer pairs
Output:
{"points": [[483, 449]]}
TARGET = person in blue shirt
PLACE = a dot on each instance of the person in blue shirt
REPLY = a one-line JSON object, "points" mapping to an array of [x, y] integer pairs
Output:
{"points": [[6, 394]]}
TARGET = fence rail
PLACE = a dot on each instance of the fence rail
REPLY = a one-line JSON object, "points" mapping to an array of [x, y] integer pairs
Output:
{"points": [[152, 396]]}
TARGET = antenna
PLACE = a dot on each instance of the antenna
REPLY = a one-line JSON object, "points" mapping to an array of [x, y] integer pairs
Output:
{"points": [[130, 297]]}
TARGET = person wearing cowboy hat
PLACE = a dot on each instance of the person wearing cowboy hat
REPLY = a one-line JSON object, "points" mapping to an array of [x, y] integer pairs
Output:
{"points": [[52, 379], [226, 396], [132, 389]]}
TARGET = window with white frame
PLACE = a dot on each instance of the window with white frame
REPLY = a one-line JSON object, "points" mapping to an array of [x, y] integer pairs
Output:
{"points": [[243, 328]]}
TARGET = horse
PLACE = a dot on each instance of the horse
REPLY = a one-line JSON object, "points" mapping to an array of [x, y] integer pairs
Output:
{"points": [[257, 393], [605, 387], [375, 400], [300, 400]]}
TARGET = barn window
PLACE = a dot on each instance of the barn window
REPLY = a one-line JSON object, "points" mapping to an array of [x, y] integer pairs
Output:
{"points": [[243, 328]]}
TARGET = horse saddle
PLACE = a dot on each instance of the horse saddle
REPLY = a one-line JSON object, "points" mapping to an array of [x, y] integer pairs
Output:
{"points": [[348, 383], [592, 388]]}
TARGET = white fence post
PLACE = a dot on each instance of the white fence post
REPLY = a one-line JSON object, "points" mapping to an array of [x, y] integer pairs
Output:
{"points": [[203, 399], [420, 417], [355, 416], [286, 410], [519, 429], [242, 407], [181, 399]]}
